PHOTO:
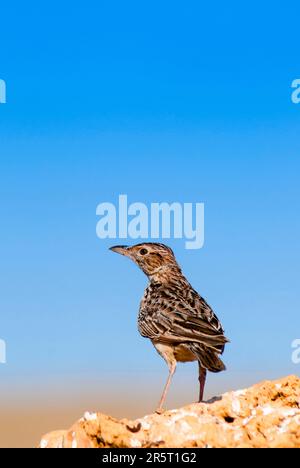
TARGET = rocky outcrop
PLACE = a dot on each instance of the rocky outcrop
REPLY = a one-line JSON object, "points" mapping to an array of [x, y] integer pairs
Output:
{"points": [[265, 415]]}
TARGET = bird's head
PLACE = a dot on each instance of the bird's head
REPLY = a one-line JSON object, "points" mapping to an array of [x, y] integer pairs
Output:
{"points": [[154, 260]]}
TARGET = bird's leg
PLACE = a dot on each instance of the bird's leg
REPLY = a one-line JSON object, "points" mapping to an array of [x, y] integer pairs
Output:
{"points": [[172, 368], [202, 380]]}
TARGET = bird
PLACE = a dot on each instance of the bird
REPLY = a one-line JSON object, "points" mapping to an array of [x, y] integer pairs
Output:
{"points": [[178, 321]]}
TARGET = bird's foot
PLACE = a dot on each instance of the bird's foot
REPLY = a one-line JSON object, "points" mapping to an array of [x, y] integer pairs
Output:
{"points": [[160, 411]]}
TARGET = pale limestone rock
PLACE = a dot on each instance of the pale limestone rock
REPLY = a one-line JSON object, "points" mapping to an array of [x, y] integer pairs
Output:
{"points": [[265, 415]]}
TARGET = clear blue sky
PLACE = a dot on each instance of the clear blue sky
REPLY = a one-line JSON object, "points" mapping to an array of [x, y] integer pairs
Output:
{"points": [[163, 101]]}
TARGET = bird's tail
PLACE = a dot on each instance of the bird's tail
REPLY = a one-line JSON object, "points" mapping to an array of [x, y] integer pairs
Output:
{"points": [[208, 358]]}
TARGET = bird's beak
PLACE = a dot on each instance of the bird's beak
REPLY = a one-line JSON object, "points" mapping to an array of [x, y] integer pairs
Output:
{"points": [[120, 249]]}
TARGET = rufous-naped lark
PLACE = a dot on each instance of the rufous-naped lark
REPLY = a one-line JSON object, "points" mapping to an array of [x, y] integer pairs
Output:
{"points": [[178, 321]]}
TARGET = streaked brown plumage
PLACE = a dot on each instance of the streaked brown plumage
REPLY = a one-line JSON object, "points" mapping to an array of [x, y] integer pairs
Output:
{"points": [[178, 321]]}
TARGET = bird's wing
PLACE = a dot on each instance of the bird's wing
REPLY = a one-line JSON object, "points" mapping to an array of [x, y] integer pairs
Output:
{"points": [[175, 319]]}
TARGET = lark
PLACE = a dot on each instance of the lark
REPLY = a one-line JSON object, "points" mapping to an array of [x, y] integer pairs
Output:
{"points": [[178, 321]]}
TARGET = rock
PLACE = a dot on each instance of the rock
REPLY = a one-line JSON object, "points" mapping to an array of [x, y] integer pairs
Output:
{"points": [[265, 415]]}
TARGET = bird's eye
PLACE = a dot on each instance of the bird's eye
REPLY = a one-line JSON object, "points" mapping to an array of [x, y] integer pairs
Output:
{"points": [[143, 252]]}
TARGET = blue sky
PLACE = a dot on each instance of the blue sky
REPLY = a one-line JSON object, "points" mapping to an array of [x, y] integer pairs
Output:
{"points": [[163, 102]]}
